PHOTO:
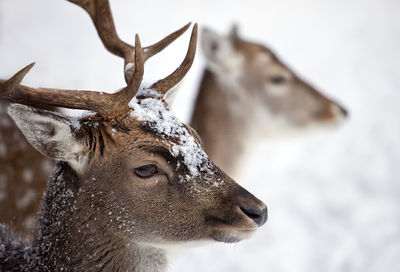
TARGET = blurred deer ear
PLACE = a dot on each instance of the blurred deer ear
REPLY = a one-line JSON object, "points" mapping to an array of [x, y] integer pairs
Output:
{"points": [[215, 46], [234, 33], [51, 134]]}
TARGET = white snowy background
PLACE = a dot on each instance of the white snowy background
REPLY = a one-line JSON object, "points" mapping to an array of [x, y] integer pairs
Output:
{"points": [[333, 196]]}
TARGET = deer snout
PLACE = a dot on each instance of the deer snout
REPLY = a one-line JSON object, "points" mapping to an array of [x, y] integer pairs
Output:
{"points": [[338, 112], [343, 111], [252, 207], [259, 216]]}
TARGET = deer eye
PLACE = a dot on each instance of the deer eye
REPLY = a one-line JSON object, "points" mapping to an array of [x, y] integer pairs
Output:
{"points": [[145, 171], [278, 80]]}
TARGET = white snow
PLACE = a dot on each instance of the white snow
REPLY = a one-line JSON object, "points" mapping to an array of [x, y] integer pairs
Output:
{"points": [[145, 91], [128, 66], [333, 197], [154, 114], [74, 122]]}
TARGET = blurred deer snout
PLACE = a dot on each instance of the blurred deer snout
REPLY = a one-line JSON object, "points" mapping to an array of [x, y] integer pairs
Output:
{"points": [[338, 112], [343, 111]]}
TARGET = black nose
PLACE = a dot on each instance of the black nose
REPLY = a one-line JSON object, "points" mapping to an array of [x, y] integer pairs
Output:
{"points": [[344, 111], [259, 216]]}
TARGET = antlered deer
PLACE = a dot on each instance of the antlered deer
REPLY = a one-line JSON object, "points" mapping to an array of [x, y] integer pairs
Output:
{"points": [[247, 94], [130, 180]]}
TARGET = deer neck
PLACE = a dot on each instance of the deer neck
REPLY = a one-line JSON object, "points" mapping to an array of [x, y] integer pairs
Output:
{"points": [[226, 133], [69, 241]]}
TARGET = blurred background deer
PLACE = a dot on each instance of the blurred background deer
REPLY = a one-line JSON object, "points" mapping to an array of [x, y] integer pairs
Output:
{"points": [[247, 95]]}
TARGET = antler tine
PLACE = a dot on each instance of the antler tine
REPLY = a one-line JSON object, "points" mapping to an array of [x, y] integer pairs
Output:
{"points": [[124, 96], [87, 100], [16, 79], [164, 85], [100, 12], [109, 106], [151, 50]]}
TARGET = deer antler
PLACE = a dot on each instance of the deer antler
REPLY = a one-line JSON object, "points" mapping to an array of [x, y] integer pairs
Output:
{"points": [[107, 105], [100, 12], [164, 85]]}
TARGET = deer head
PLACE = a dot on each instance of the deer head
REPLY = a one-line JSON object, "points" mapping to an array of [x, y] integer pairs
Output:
{"points": [[264, 89], [131, 179]]}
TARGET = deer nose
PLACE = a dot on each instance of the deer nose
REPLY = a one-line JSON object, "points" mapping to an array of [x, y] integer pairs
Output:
{"points": [[252, 207], [343, 111], [259, 216]]}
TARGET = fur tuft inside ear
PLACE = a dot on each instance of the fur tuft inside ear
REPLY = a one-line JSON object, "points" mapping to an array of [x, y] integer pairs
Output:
{"points": [[50, 133]]}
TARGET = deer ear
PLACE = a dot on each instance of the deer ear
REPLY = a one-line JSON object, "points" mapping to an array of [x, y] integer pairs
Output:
{"points": [[51, 134], [216, 48]]}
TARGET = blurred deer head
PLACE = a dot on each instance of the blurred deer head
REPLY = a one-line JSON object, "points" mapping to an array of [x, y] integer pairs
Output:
{"points": [[253, 72], [246, 92]]}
